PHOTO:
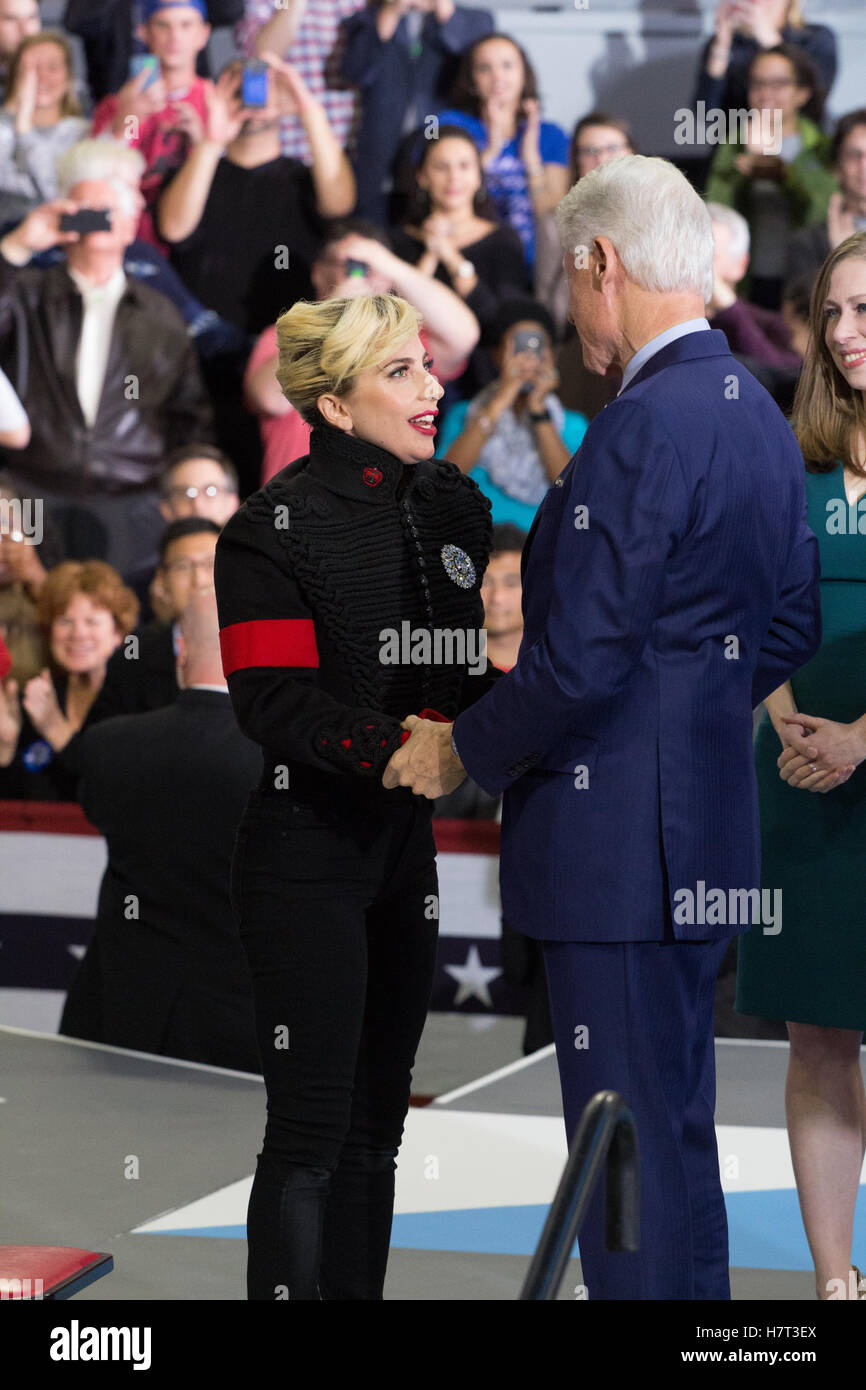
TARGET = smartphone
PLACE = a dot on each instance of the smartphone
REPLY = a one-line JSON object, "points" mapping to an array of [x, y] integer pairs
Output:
{"points": [[254, 83], [144, 62], [529, 340], [86, 220], [356, 268]]}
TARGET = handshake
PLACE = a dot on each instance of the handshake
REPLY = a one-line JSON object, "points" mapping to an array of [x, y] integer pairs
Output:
{"points": [[425, 762]]}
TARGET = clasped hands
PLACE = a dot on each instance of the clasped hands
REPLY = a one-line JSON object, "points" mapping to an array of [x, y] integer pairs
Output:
{"points": [[425, 762], [820, 754]]}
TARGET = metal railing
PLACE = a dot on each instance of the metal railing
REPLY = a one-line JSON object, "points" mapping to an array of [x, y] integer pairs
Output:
{"points": [[606, 1134]]}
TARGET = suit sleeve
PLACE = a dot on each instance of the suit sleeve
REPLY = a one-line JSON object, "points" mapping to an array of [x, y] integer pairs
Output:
{"points": [[270, 658], [607, 583], [794, 635]]}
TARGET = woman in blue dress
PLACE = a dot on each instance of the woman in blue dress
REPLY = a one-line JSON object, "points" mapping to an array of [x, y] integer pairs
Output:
{"points": [[525, 159]]}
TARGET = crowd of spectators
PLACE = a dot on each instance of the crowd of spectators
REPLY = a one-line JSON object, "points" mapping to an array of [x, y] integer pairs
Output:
{"points": [[154, 226]]}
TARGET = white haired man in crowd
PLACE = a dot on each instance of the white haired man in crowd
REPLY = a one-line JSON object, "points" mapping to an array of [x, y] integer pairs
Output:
{"points": [[757, 334], [111, 379]]}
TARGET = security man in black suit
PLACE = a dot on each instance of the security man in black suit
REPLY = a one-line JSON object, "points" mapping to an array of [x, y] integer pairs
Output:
{"points": [[165, 972]]}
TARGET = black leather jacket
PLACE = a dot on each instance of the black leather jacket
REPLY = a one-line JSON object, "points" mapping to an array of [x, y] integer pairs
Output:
{"points": [[153, 399]]}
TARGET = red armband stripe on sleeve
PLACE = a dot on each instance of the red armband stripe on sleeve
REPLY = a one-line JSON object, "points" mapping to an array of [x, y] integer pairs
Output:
{"points": [[269, 642]]}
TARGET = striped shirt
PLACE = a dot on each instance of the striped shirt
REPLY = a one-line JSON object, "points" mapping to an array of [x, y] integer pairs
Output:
{"points": [[316, 53]]}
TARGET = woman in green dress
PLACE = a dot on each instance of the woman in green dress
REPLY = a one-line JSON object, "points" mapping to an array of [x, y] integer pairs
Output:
{"points": [[812, 973]]}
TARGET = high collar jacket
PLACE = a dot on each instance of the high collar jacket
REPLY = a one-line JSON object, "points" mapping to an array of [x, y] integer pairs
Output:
{"points": [[153, 398], [338, 585]]}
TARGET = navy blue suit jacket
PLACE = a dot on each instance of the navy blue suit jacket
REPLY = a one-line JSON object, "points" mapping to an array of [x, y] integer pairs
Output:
{"points": [[655, 620]]}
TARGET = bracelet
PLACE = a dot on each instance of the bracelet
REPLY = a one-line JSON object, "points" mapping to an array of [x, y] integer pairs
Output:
{"points": [[538, 415], [484, 423]]}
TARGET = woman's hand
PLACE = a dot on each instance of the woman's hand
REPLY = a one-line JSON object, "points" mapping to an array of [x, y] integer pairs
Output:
{"points": [[530, 146], [45, 713], [751, 17], [498, 119], [827, 743], [755, 164], [545, 380], [23, 100], [10, 720], [840, 220], [517, 371], [821, 753]]}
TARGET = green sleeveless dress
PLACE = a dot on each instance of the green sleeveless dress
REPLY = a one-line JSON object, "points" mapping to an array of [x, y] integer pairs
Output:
{"points": [[813, 845]]}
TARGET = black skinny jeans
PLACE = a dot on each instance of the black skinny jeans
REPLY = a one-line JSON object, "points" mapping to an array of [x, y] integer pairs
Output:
{"points": [[338, 915]]}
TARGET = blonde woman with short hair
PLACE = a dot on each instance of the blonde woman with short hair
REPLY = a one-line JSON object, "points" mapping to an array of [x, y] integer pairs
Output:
{"points": [[336, 584]]}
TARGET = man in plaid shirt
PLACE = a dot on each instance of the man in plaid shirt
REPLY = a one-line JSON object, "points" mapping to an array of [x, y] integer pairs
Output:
{"points": [[307, 34]]}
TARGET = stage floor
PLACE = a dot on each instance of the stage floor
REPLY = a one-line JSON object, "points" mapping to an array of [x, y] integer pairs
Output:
{"points": [[152, 1160]]}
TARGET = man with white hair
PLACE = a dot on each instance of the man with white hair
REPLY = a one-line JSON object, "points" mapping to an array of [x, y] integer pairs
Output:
{"points": [[757, 334], [670, 583], [111, 380]]}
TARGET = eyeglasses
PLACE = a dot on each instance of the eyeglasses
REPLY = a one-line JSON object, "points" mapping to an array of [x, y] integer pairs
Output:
{"points": [[773, 84], [593, 151], [212, 490], [186, 565]]}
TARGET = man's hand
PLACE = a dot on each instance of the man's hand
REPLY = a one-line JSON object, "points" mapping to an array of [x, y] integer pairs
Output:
{"points": [[296, 97], [134, 102], [425, 762], [39, 231]]}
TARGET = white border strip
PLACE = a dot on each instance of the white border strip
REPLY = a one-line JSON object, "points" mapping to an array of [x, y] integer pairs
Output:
{"points": [[497, 1075], [128, 1052]]}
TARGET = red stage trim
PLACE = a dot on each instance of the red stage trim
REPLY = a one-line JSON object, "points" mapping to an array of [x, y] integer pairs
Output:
{"points": [[269, 642], [45, 818], [466, 836], [66, 818]]}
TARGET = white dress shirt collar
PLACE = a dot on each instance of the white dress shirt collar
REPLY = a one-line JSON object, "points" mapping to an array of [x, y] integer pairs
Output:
{"points": [[655, 345]]}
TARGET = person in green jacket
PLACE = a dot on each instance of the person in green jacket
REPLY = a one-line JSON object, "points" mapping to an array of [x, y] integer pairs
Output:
{"points": [[782, 185]]}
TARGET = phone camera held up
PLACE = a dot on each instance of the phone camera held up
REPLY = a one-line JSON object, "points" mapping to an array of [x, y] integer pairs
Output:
{"points": [[356, 269], [86, 220], [254, 83]]}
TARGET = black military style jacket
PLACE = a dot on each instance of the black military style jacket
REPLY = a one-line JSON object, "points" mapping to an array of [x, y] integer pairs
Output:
{"points": [[338, 584]]}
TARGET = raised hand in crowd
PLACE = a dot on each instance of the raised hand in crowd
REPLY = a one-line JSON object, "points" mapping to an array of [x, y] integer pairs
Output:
{"points": [[530, 149], [224, 113], [46, 716], [523, 372], [753, 17], [20, 564], [840, 220], [39, 231], [21, 101], [135, 103], [11, 720]]}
